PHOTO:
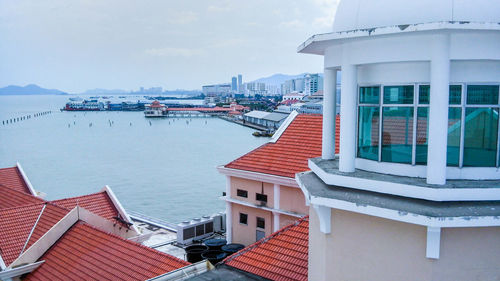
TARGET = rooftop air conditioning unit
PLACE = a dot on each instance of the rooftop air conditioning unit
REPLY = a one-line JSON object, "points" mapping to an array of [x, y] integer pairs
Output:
{"points": [[219, 222], [196, 229]]}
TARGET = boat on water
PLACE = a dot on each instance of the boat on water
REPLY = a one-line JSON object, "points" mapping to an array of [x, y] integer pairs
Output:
{"points": [[86, 105], [155, 109]]}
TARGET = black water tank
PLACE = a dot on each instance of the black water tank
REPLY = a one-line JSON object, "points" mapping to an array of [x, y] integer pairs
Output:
{"points": [[232, 248], [194, 253], [215, 244], [213, 256]]}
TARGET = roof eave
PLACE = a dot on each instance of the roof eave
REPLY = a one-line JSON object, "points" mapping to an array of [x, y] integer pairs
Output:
{"points": [[317, 44]]}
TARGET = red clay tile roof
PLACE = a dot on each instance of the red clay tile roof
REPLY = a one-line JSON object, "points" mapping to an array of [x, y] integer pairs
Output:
{"points": [[281, 256], [97, 203], [16, 224], [12, 178], [289, 155], [86, 253], [10, 198]]}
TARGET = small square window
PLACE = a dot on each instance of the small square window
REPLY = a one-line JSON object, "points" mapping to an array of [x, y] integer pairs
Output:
{"points": [[242, 193], [261, 222], [261, 197], [243, 218]]}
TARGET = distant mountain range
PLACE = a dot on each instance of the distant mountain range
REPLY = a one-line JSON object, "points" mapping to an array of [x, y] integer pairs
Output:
{"points": [[30, 89], [278, 79]]}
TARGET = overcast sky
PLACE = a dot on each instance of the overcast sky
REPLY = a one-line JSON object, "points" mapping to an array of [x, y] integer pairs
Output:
{"points": [[82, 44]]}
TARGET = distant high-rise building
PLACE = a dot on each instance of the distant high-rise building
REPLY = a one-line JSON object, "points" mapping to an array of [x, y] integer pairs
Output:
{"points": [[312, 83], [240, 83], [234, 84]]}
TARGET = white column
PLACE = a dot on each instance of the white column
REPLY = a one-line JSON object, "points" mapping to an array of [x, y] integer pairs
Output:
{"points": [[329, 113], [438, 109], [276, 216], [229, 216], [276, 222], [349, 89]]}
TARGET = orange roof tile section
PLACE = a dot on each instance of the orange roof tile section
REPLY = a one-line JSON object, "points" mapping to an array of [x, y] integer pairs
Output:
{"points": [[281, 256], [16, 224], [289, 155], [12, 178], [97, 203], [10, 198], [86, 253]]}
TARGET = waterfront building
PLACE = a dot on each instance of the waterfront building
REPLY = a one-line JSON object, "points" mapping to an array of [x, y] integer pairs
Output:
{"points": [[261, 192], [313, 107], [269, 120], [217, 90], [89, 237], [240, 84], [234, 84], [415, 193], [312, 83], [293, 96], [293, 85], [254, 88]]}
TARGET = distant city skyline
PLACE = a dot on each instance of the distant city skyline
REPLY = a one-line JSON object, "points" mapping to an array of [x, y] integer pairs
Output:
{"points": [[80, 45]]}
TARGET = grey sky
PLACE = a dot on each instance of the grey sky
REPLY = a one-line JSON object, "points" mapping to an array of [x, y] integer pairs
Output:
{"points": [[80, 44]]}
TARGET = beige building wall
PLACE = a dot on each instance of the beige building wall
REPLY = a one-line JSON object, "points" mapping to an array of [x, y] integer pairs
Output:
{"points": [[252, 187], [286, 220], [362, 247], [246, 234], [292, 199]]}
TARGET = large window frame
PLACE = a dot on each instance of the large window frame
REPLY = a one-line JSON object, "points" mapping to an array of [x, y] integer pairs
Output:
{"points": [[416, 105], [381, 105]]}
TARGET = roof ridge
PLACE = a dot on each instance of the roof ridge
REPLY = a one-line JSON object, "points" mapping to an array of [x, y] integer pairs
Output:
{"points": [[79, 196], [265, 239]]}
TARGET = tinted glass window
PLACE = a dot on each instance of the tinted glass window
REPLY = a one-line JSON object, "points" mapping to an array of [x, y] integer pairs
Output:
{"points": [[369, 95], [261, 222], [398, 94], [243, 218], [242, 193], [261, 197]]}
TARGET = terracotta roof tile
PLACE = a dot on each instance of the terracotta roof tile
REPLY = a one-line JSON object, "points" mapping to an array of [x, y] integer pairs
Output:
{"points": [[12, 178], [98, 203], [281, 256], [16, 224], [14, 198], [86, 253], [289, 155]]}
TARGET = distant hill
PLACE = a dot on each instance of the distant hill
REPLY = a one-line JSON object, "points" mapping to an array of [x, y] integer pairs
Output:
{"points": [[30, 89]]}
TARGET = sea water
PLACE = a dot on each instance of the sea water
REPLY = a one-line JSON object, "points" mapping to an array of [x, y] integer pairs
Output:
{"points": [[165, 168]]}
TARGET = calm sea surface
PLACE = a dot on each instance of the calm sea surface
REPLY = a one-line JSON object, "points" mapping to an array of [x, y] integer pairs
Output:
{"points": [[166, 169]]}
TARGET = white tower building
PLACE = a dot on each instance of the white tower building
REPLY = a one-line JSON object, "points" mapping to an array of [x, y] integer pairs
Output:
{"points": [[415, 192]]}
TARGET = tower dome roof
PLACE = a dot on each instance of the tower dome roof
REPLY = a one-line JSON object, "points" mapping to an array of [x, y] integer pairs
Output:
{"points": [[363, 14]]}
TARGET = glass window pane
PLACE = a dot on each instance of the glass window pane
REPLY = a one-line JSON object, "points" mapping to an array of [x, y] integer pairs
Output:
{"points": [[369, 95], [424, 91], [481, 132], [398, 94], [368, 127], [454, 130], [455, 94], [397, 134], [482, 94], [422, 133]]}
